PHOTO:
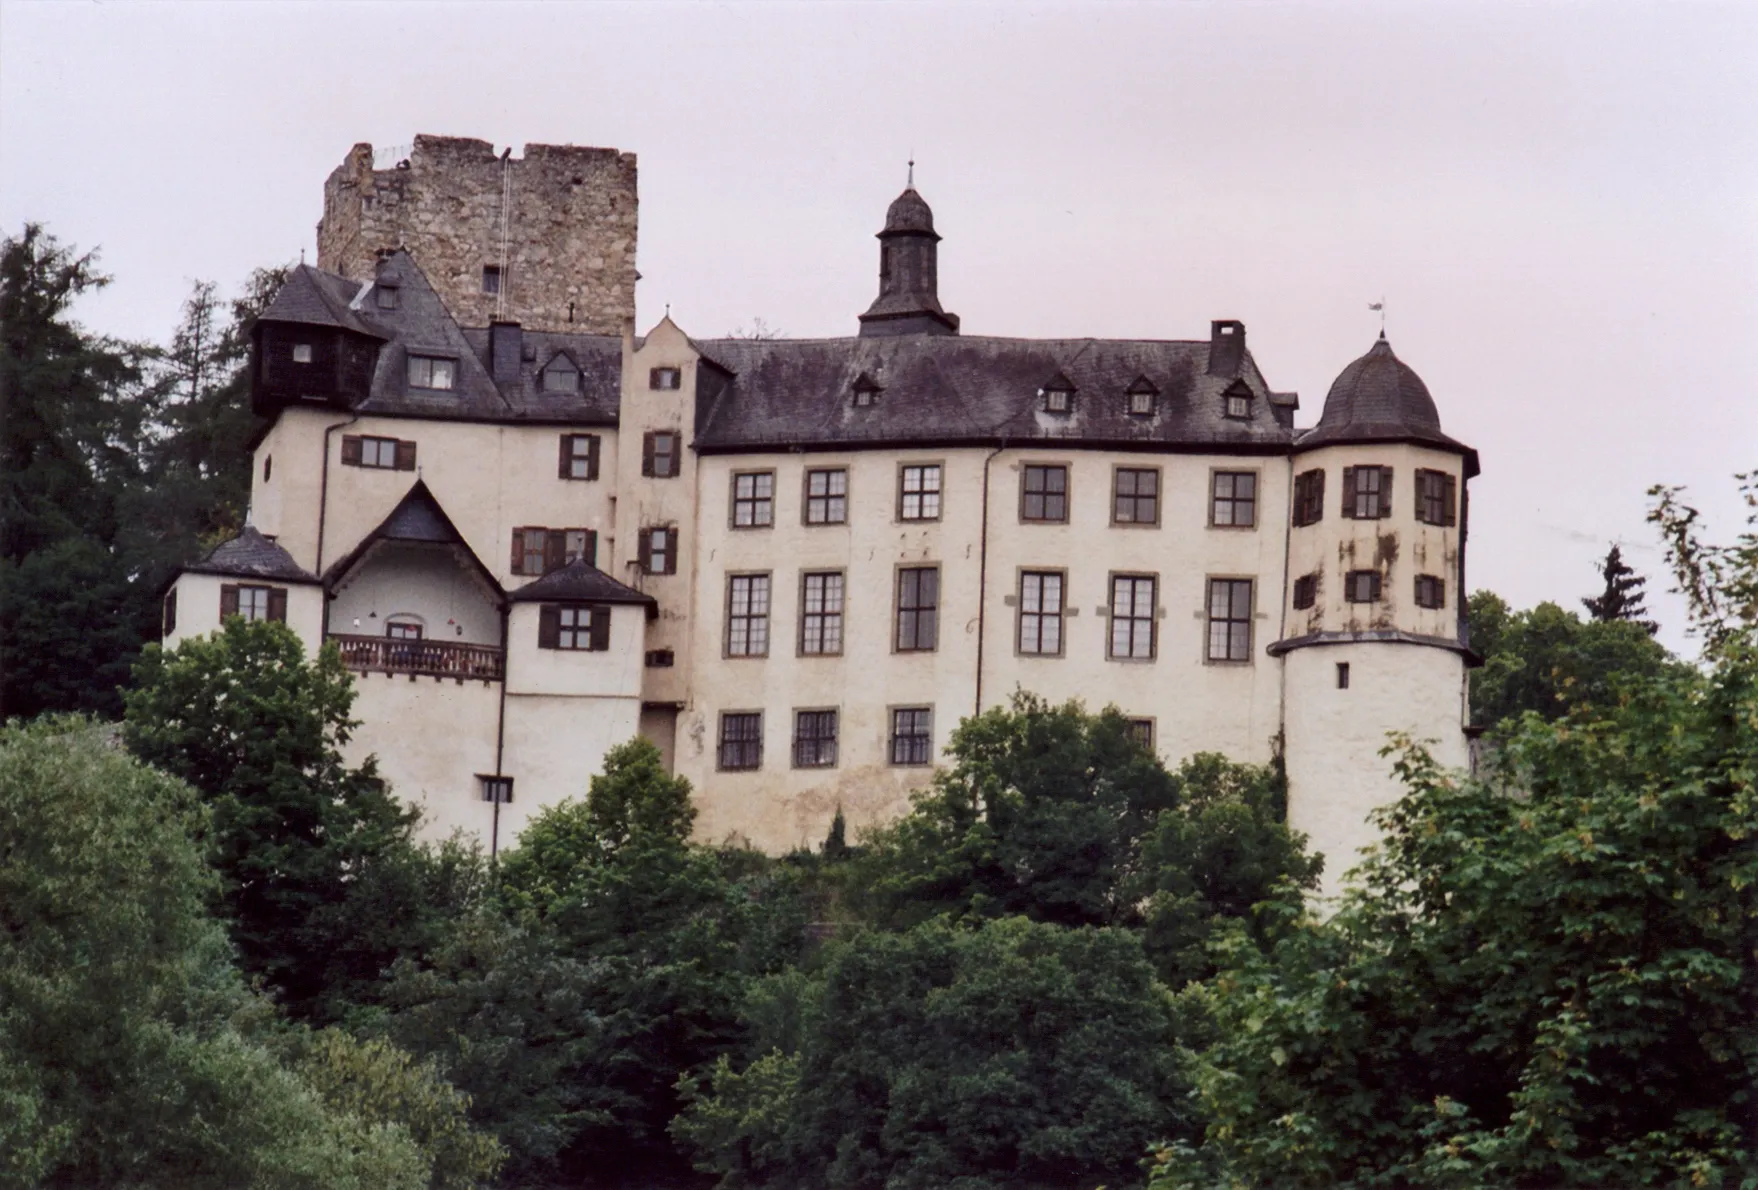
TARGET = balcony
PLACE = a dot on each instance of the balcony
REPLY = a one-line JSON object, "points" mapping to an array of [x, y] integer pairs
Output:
{"points": [[441, 659]]}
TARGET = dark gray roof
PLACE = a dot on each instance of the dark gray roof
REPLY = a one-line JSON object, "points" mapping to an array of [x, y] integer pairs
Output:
{"points": [[580, 581], [599, 358], [1380, 398], [251, 555], [421, 325], [320, 299], [909, 211], [971, 389], [417, 518]]}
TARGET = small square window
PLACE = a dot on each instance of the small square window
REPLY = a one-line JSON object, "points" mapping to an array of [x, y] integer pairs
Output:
{"points": [[814, 739], [741, 740], [1058, 400], [1367, 493], [579, 457], [575, 624], [427, 371], [1142, 397], [389, 297], [1043, 492], [912, 736], [1305, 591], [1142, 732], [496, 789], [753, 503], [918, 495], [1236, 403], [827, 496], [866, 390], [491, 278], [1233, 499], [1431, 591], [1362, 586], [1135, 496], [665, 379], [302, 353]]}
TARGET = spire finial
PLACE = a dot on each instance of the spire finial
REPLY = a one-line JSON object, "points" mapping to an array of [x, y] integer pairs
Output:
{"points": [[912, 177], [1380, 306]]}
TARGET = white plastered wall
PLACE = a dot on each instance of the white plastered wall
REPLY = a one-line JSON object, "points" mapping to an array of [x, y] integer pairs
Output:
{"points": [[432, 736], [198, 607], [424, 584]]}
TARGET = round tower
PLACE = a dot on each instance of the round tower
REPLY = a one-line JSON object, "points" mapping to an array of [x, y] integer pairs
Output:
{"points": [[1373, 636]]}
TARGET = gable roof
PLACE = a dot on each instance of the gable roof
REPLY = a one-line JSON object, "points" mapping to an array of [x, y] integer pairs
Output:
{"points": [[251, 555], [417, 518], [581, 582], [315, 298]]}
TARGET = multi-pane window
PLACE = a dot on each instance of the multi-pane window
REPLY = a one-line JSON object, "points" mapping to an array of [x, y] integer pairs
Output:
{"points": [[1367, 493], [1135, 496], [539, 551], [866, 389], [814, 739], [560, 375], [1059, 396], [912, 735], [1233, 499], [753, 503], [1362, 586], [918, 492], [827, 496], [1309, 497], [658, 553], [1436, 497], [1043, 492], [253, 602], [1142, 396], [1431, 591], [665, 379], [821, 613], [659, 453], [1229, 619], [430, 371], [402, 630], [579, 456], [1142, 732], [1237, 402], [573, 626], [496, 789], [747, 615], [741, 740], [1040, 612], [1305, 591], [1132, 616], [918, 608], [359, 450]]}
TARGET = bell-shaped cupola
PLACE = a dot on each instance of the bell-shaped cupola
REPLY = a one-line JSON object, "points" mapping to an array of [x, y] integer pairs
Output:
{"points": [[1378, 398], [909, 277]]}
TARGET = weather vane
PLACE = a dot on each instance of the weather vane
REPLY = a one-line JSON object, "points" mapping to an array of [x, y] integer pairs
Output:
{"points": [[1381, 307]]}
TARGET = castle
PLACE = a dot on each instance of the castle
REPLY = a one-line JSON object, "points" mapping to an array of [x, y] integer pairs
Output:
{"points": [[795, 565]]}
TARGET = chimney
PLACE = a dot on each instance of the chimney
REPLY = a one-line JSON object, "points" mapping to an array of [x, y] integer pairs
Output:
{"points": [[1226, 347], [505, 342]]}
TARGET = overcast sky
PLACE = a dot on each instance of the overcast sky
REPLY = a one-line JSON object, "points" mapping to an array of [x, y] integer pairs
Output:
{"points": [[1559, 203]]}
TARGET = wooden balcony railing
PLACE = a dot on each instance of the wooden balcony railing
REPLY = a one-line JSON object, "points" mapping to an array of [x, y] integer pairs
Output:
{"points": [[442, 659]]}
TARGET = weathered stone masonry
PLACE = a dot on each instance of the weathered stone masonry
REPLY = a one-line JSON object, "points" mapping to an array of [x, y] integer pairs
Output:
{"points": [[570, 229]]}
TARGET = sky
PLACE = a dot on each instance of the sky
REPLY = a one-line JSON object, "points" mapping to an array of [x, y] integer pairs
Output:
{"points": [[1557, 203]]}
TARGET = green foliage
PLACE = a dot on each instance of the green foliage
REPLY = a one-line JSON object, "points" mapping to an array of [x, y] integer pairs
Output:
{"points": [[1623, 597], [1010, 1054]]}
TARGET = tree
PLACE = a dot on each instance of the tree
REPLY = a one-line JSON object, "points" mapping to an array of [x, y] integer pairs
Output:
{"points": [[1623, 597]]}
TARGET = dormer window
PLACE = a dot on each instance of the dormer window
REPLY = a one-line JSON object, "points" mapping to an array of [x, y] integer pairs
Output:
{"points": [[1058, 395], [1237, 403], [1142, 397], [302, 353], [665, 379], [431, 371], [389, 297], [866, 391], [561, 376]]}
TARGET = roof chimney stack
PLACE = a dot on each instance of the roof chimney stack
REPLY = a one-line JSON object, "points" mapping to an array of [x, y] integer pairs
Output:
{"points": [[1226, 347]]}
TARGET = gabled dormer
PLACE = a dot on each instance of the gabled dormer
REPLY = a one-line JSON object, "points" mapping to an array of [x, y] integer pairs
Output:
{"points": [[1057, 394]]}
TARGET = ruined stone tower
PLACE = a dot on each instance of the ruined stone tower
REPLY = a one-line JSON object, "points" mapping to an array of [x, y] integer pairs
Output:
{"points": [[546, 239]]}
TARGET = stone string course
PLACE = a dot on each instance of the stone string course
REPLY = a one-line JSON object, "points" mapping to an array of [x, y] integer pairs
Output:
{"points": [[570, 252]]}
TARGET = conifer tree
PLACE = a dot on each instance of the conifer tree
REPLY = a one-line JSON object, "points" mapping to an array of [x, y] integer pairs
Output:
{"points": [[1623, 597]]}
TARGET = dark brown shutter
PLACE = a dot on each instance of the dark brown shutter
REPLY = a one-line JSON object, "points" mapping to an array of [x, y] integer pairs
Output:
{"points": [[229, 600], [601, 627], [565, 468], [518, 551], [278, 604], [592, 456], [170, 612], [549, 626], [405, 456], [647, 452], [671, 551], [351, 449], [1385, 491], [555, 550], [591, 554], [1349, 492], [1450, 502], [644, 551], [1315, 509]]}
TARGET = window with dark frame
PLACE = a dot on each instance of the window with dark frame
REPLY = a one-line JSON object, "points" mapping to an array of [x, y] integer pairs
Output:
{"points": [[432, 371], [661, 658], [827, 496], [1135, 496], [1059, 396], [1309, 497], [491, 278], [561, 375], [821, 613], [658, 553], [253, 602], [1142, 397], [1043, 492], [1437, 500], [496, 789], [912, 735], [389, 297], [268, 467], [741, 740], [1142, 732], [388, 454], [168, 623], [814, 739], [753, 503], [573, 627], [747, 615], [918, 609], [1342, 675], [1229, 619], [1305, 591], [1040, 613], [918, 492], [1362, 586], [1367, 493], [1233, 499], [1132, 617], [866, 389], [579, 456], [1431, 591], [1236, 404], [665, 379], [537, 550], [659, 454], [402, 630]]}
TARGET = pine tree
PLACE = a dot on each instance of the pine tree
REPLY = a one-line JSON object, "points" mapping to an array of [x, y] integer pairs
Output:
{"points": [[1623, 596]]}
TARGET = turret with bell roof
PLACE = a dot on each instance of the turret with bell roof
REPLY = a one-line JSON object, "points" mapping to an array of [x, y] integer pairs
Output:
{"points": [[909, 275]]}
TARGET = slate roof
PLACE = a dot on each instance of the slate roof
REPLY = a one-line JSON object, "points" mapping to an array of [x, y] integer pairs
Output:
{"points": [[251, 555], [417, 518], [421, 325], [580, 581], [320, 299], [909, 211], [1380, 398], [944, 389]]}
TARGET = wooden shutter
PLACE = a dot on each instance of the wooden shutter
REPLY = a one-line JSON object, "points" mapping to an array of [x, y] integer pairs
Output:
{"points": [[601, 627], [644, 551], [591, 554], [555, 549], [170, 612], [671, 551], [278, 604], [228, 600], [647, 452], [518, 551], [1450, 501], [351, 449], [1385, 491], [565, 468], [592, 456], [1349, 492], [1315, 504], [405, 456], [549, 626]]}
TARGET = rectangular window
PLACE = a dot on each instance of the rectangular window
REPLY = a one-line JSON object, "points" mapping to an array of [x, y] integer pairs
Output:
{"points": [[402, 630], [821, 613], [1135, 496], [659, 454], [747, 615], [814, 739], [389, 297], [496, 789], [659, 550], [253, 602], [1342, 675], [912, 735], [1367, 493], [491, 278], [385, 453], [918, 492], [1233, 499], [1142, 731], [1043, 492], [1229, 619], [560, 376], [1040, 613], [1309, 497], [575, 624], [537, 550], [168, 624], [827, 496], [918, 609], [661, 658], [753, 503], [1436, 498], [302, 353], [574, 627], [579, 457], [1305, 591], [665, 379], [741, 740], [1362, 586], [430, 371], [1431, 591], [1132, 616]]}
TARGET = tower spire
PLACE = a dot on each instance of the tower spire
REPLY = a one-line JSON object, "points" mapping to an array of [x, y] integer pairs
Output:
{"points": [[908, 301]]}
